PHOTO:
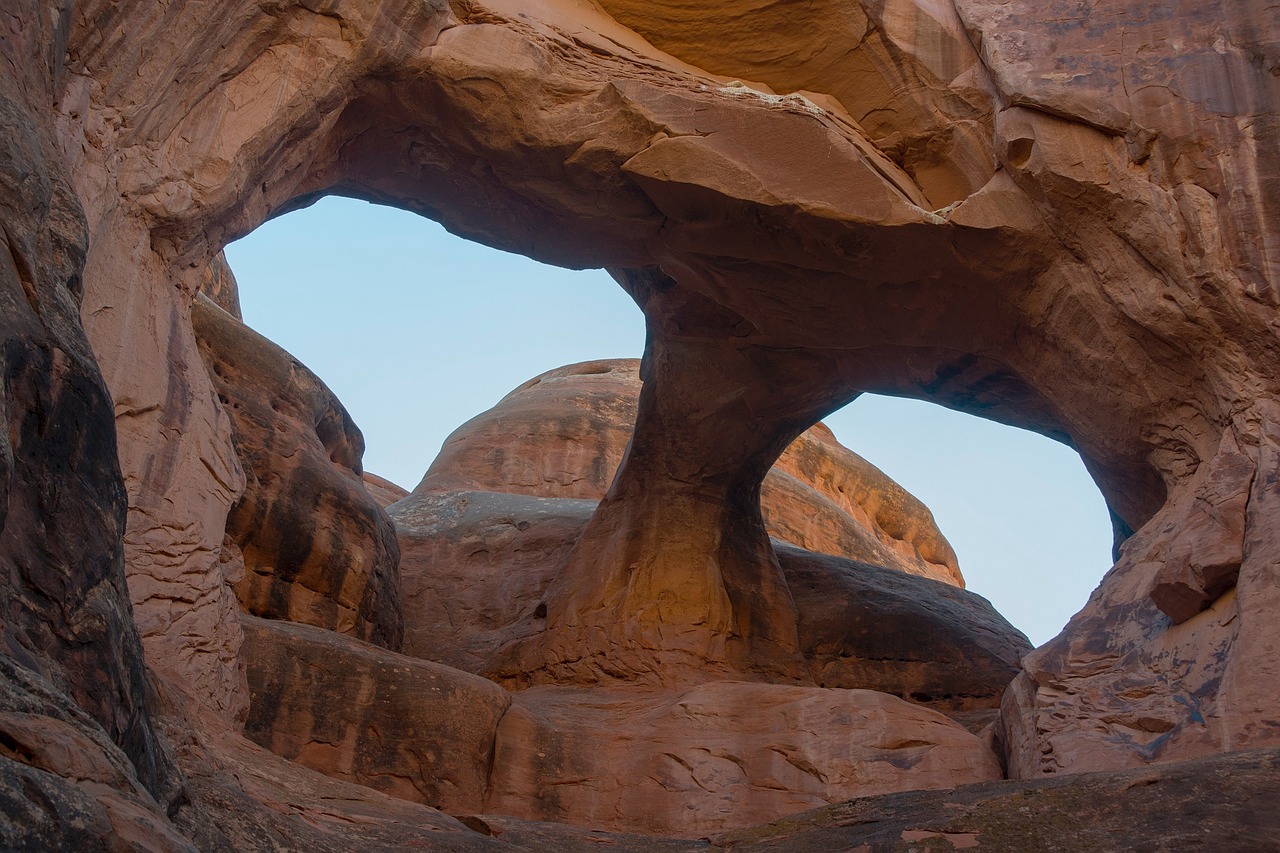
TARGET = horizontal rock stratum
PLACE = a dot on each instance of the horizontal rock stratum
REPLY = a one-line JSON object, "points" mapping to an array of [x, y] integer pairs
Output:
{"points": [[1060, 217]]}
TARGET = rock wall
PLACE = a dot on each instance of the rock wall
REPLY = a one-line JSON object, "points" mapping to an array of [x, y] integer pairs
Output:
{"points": [[73, 689], [311, 543], [564, 433], [1058, 217]]}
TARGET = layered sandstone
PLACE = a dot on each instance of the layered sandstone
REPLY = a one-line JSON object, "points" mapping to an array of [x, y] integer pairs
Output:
{"points": [[1061, 219], [1105, 277], [477, 567], [310, 543], [680, 762], [564, 433]]}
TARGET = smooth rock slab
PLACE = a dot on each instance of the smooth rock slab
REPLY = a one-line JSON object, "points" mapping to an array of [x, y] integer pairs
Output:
{"points": [[720, 755], [415, 730]]}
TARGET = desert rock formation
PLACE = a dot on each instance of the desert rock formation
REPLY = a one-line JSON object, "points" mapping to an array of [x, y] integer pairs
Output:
{"points": [[313, 545], [564, 433], [680, 762], [500, 510], [1060, 218]]}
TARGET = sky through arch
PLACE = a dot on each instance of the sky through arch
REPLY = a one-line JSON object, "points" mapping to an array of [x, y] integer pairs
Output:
{"points": [[417, 330]]}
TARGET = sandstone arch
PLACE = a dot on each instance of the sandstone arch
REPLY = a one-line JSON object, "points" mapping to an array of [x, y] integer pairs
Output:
{"points": [[1108, 277]]}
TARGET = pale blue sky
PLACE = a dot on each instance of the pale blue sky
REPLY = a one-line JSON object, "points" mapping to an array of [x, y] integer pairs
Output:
{"points": [[416, 331]]}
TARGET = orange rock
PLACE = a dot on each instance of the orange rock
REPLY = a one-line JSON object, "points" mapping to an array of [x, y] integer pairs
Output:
{"points": [[383, 490], [718, 756], [412, 729], [477, 566], [1113, 284], [563, 434], [683, 762]]}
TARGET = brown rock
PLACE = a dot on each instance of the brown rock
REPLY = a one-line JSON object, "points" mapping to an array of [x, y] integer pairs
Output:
{"points": [[383, 490], [65, 783], [218, 283], [842, 497], [317, 548], [905, 73], [868, 627], [563, 434], [1114, 284], [717, 756], [666, 762], [72, 676], [1219, 803], [477, 565], [415, 730]]}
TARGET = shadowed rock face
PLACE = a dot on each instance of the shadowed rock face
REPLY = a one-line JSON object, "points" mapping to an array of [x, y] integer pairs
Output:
{"points": [[73, 686], [315, 546], [1062, 219]]}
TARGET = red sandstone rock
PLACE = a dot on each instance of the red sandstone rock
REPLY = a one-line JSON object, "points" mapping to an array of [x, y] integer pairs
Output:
{"points": [[679, 762], [717, 756], [478, 564], [1218, 803], [383, 490], [317, 548], [475, 566], [1113, 284], [563, 434], [412, 729], [72, 674]]}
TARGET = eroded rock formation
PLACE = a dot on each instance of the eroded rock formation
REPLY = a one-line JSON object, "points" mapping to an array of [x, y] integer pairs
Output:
{"points": [[313, 545], [1062, 219], [485, 533], [563, 434]]}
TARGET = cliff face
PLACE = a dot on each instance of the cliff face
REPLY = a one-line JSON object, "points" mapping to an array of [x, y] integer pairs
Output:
{"points": [[1059, 217]]}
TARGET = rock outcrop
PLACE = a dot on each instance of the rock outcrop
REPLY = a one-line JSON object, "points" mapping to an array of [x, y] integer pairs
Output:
{"points": [[485, 533], [681, 762], [73, 683], [717, 756], [383, 490], [564, 433], [478, 565], [1062, 219], [415, 730], [312, 544]]}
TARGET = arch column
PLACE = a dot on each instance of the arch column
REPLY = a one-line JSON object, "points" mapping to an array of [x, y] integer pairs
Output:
{"points": [[675, 576]]}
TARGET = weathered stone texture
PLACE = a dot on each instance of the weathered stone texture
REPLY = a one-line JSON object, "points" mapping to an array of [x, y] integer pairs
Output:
{"points": [[1061, 217], [478, 565], [415, 730], [316, 547], [716, 756]]}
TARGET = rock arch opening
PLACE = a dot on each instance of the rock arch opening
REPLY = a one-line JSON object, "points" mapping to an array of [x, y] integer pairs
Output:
{"points": [[1030, 528], [418, 331], [414, 329]]}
